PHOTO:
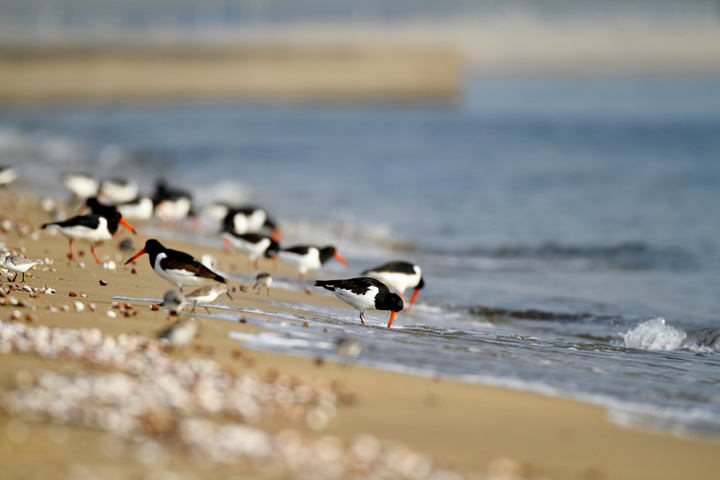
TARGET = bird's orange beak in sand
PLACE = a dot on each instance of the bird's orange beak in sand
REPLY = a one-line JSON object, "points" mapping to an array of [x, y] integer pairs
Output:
{"points": [[141, 252], [125, 224], [340, 259], [412, 299], [392, 317]]}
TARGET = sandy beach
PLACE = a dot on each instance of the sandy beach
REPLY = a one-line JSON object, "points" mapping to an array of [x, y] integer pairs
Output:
{"points": [[414, 427]]}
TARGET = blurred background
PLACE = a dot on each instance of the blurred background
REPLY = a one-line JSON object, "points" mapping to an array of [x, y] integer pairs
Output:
{"points": [[404, 49]]}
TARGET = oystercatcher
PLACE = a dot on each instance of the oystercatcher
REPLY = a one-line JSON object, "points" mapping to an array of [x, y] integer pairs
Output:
{"points": [[207, 294], [139, 208], [364, 293], [249, 219], [82, 185], [304, 258], [117, 190], [96, 227], [253, 244], [171, 204], [399, 276], [178, 268], [18, 264]]}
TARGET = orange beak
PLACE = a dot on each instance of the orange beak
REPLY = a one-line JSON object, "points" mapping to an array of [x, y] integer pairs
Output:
{"points": [[340, 258], [127, 225], [412, 299], [275, 235], [141, 252], [82, 209], [227, 244], [392, 317]]}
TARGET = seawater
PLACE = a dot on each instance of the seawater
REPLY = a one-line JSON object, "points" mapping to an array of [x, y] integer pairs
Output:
{"points": [[567, 228]]}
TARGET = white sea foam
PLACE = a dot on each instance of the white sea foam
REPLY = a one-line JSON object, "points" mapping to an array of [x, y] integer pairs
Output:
{"points": [[654, 334], [266, 340]]}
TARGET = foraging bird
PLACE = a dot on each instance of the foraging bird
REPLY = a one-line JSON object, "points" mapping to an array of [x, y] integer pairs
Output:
{"points": [[347, 349], [117, 190], [180, 333], [399, 276], [81, 185], [253, 244], [249, 219], [178, 268], [18, 264], [308, 257], [171, 204], [139, 208], [95, 228], [364, 293], [175, 301], [263, 279], [207, 294]]}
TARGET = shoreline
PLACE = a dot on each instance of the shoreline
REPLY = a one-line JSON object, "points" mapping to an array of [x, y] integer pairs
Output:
{"points": [[469, 428]]}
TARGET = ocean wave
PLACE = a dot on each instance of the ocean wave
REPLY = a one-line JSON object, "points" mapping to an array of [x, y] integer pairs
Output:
{"points": [[656, 335], [624, 255], [530, 314]]}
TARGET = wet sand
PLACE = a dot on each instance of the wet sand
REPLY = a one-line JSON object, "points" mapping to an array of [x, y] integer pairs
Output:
{"points": [[470, 429]]}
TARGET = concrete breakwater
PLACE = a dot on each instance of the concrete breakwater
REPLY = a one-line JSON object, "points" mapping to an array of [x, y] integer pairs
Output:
{"points": [[255, 72]]}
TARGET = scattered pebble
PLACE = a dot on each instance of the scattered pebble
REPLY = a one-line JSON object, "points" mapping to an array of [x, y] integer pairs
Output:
{"points": [[79, 306], [73, 294], [111, 313], [103, 283]]}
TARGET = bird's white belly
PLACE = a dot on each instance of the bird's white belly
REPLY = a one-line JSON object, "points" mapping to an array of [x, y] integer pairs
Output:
{"points": [[361, 302], [93, 235], [301, 263], [178, 277]]}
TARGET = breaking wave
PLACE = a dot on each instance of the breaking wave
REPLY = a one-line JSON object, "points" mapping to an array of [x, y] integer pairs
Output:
{"points": [[657, 335]]}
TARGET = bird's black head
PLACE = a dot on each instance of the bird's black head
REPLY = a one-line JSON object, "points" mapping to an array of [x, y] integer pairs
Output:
{"points": [[97, 208], [153, 247], [421, 284], [329, 251], [394, 303], [326, 252]]}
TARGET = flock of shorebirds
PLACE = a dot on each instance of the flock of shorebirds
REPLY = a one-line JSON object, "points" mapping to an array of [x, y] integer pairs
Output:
{"points": [[109, 203]]}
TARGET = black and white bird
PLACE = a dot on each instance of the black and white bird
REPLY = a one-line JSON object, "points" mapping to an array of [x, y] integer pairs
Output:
{"points": [[207, 294], [250, 219], [139, 208], [82, 185], [18, 264], [263, 280], [399, 276], [254, 245], [117, 190], [172, 204], [364, 293], [95, 228], [178, 268], [304, 258]]}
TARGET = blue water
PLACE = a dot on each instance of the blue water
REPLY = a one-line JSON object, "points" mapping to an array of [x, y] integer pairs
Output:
{"points": [[556, 220]]}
